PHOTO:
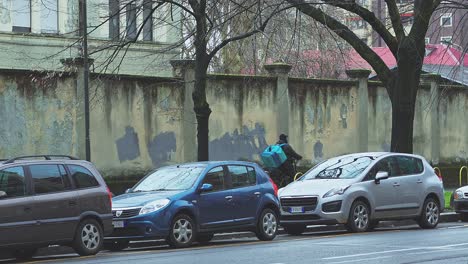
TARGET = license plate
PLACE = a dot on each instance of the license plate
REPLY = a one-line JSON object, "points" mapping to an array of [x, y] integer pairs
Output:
{"points": [[118, 224], [297, 209]]}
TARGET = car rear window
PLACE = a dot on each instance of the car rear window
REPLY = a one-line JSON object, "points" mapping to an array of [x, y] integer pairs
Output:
{"points": [[82, 177], [12, 182], [409, 165]]}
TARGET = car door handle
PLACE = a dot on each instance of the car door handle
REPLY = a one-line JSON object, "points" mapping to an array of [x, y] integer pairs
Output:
{"points": [[228, 197], [71, 203], [257, 193], [396, 184], [27, 209], [419, 181]]}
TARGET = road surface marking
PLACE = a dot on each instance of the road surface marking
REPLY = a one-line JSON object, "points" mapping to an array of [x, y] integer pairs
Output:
{"points": [[360, 260]]}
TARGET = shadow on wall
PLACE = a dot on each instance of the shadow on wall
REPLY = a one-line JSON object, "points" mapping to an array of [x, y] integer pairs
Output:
{"points": [[235, 146], [160, 149]]}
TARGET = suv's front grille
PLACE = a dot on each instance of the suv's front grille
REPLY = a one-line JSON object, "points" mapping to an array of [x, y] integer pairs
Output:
{"points": [[299, 201], [126, 213]]}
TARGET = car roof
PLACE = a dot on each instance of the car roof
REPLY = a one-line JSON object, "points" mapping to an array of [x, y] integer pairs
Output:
{"points": [[375, 155], [213, 163]]}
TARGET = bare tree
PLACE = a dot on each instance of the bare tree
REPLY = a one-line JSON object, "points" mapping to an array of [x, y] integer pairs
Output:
{"points": [[407, 48]]}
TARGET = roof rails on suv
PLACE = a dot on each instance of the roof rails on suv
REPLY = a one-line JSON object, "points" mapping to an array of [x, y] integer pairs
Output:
{"points": [[46, 157]]}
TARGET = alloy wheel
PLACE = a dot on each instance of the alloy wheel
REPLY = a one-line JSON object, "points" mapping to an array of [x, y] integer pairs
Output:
{"points": [[432, 213], [182, 231], [269, 224], [361, 216], [90, 236]]}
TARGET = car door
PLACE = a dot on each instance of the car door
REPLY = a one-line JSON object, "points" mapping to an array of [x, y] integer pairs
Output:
{"points": [[16, 208], [384, 193], [411, 184], [215, 206], [55, 202], [245, 193]]}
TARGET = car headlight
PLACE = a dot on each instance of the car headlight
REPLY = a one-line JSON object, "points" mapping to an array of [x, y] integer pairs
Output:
{"points": [[336, 191], [154, 206], [458, 195]]}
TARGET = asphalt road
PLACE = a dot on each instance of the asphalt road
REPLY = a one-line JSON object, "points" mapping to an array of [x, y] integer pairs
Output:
{"points": [[446, 244]]}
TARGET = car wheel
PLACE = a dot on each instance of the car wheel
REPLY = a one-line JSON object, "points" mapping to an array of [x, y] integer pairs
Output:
{"points": [[267, 225], [430, 214], [182, 233], [359, 217], [24, 253], [294, 230], [464, 217], [204, 238], [88, 238], [116, 245]]}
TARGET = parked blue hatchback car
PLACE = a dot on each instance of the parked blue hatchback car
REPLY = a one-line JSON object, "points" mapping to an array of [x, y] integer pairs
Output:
{"points": [[190, 202]]}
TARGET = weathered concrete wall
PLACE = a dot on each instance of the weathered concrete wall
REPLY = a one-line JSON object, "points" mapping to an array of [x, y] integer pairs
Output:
{"points": [[138, 123], [38, 114]]}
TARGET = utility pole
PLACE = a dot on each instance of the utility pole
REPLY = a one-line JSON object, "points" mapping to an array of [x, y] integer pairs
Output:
{"points": [[84, 35]]}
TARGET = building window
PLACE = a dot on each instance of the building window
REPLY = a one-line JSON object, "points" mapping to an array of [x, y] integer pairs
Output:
{"points": [[21, 15], [147, 20], [131, 21], [114, 19], [362, 3], [446, 20], [427, 41], [446, 40], [49, 16]]}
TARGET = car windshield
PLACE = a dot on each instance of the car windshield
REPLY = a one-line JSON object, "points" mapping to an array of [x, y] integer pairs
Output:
{"points": [[169, 179], [339, 168]]}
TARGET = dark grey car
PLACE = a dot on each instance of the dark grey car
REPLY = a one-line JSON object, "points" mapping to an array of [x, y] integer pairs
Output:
{"points": [[53, 200]]}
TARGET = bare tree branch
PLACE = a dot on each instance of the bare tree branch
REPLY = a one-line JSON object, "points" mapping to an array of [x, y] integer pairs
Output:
{"points": [[396, 19]]}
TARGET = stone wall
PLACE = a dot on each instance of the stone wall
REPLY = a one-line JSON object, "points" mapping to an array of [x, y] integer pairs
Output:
{"points": [[139, 123]]}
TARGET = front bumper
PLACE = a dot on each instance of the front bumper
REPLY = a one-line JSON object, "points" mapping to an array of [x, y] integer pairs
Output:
{"points": [[142, 227], [325, 212], [461, 206]]}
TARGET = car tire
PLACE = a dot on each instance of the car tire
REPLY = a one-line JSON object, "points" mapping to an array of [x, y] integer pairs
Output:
{"points": [[464, 217], [204, 238], [294, 230], [430, 214], [88, 238], [118, 245], [183, 232], [359, 217], [23, 254], [267, 225]]}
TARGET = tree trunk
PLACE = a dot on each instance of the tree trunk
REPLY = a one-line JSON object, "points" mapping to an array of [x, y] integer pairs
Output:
{"points": [[202, 109], [403, 89]]}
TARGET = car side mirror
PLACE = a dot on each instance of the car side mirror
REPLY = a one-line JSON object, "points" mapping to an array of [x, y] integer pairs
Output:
{"points": [[381, 175], [128, 190], [206, 187], [2, 194]]}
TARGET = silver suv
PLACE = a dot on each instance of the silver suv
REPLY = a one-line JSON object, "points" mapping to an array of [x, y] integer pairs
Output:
{"points": [[361, 189], [52, 199]]}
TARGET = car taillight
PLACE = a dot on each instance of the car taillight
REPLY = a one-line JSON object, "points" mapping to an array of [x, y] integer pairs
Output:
{"points": [[275, 187], [109, 193]]}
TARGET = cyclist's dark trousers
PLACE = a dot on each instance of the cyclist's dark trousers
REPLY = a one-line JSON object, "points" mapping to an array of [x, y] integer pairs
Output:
{"points": [[288, 171]]}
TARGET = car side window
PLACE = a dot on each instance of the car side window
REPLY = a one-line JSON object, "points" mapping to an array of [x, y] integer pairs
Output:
{"points": [[386, 164], [82, 177], [48, 178], [409, 165], [240, 176], [252, 175], [12, 182], [216, 178]]}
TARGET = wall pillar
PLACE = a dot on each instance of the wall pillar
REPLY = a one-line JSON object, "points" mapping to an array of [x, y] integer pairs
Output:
{"points": [[433, 80], [362, 76], [76, 65], [185, 69], [281, 72]]}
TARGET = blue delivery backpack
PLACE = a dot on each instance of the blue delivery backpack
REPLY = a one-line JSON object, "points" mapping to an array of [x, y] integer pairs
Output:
{"points": [[273, 156]]}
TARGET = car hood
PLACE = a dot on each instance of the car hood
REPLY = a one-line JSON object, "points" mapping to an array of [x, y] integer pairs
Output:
{"points": [[463, 189], [314, 187], [140, 198]]}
